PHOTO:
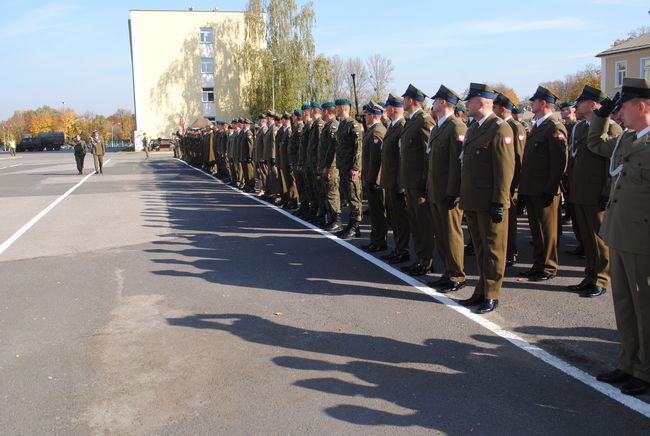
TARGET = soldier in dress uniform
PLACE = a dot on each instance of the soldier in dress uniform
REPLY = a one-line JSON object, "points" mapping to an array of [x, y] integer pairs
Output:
{"points": [[503, 109], [590, 186], [443, 189], [413, 178], [328, 170], [518, 115], [98, 150], [543, 165], [488, 165], [570, 120], [626, 229], [287, 183], [316, 214], [349, 136], [261, 165], [389, 181], [269, 156], [371, 166], [305, 192], [247, 148], [298, 187]]}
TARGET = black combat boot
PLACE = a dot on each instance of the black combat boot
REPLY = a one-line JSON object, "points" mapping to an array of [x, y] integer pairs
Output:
{"points": [[350, 231], [335, 224]]}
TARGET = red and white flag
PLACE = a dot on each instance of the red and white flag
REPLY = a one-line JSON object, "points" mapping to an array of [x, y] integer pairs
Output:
{"points": [[181, 125]]}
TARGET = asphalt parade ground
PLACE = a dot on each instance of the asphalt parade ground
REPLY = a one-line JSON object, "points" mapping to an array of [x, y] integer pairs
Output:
{"points": [[153, 299]]}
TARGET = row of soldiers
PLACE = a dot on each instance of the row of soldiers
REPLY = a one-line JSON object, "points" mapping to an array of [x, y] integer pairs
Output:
{"points": [[426, 172]]}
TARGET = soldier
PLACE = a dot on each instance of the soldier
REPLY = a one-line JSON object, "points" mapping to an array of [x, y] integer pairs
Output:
{"points": [[389, 181], [315, 211], [145, 145], [296, 182], [413, 178], [488, 164], [590, 186], [371, 164], [326, 166], [269, 156], [626, 229], [305, 191], [568, 114], [384, 117], [503, 109], [262, 164], [98, 152], [230, 144], [569, 118], [288, 184], [518, 115], [443, 189], [543, 165], [80, 150], [247, 145], [348, 159]]}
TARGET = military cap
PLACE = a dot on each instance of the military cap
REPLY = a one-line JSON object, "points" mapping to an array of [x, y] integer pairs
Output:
{"points": [[447, 95], [315, 105], [342, 102], [306, 107], [260, 116], [373, 108], [518, 110], [270, 114], [394, 101], [504, 101], [247, 121], [277, 117], [481, 90], [297, 112], [381, 103], [234, 121], [591, 93], [567, 104], [544, 94], [328, 104], [286, 116], [414, 93], [460, 108], [635, 88]]}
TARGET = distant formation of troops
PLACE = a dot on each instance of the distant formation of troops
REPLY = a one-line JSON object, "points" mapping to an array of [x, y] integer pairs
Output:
{"points": [[424, 172]]}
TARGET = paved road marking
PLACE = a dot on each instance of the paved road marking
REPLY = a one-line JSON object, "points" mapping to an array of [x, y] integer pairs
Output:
{"points": [[15, 165], [610, 391], [13, 238]]}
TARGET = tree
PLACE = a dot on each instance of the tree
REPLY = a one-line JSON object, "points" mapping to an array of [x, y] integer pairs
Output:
{"points": [[508, 92], [357, 67], [337, 74], [632, 34], [380, 70], [571, 86]]}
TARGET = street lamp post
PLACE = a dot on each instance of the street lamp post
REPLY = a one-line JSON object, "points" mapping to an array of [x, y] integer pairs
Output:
{"points": [[354, 88], [112, 126]]}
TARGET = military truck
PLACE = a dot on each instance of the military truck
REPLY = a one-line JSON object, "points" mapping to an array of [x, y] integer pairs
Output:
{"points": [[43, 141]]}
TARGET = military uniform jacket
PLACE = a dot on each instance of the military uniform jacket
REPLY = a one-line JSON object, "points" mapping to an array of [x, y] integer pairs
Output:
{"points": [[247, 145], [545, 159], [80, 147], [413, 147], [488, 164], [241, 139], [371, 154], [304, 144], [314, 139], [269, 143], [389, 174], [98, 146], [327, 146], [294, 143], [259, 143], [284, 147], [626, 226], [349, 137], [443, 170], [230, 144], [519, 141]]}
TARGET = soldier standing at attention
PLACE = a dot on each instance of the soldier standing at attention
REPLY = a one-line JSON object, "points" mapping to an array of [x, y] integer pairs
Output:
{"points": [[297, 186], [543, 165], [590, 186], [488, 164], [305, 191], [247, 147], [373, 139], [287, 185], [145, 145], [262, 167], [312, 162], [518, 115], [80, 150], [443, 189], [98, 151], [348, 159], [503, 109], [269, 155], [568, 112], [326, 166], [626, 227], [389, 181], [413, 178]]}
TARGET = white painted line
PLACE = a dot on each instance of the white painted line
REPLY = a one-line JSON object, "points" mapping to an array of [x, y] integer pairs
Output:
{"points": [[6, 244], [608, 390], [15, 165], [2, 168]]}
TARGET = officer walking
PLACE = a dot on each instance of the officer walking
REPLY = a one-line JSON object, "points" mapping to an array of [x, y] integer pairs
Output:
{"points": [[98, 152], [80, 150]]}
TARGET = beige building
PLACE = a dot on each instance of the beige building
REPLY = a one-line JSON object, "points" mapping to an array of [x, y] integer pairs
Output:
{"points": [[184, 65], [629, 59]]}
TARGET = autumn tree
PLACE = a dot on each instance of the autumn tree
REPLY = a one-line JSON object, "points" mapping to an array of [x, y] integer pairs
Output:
{"points": [[569, 88], [507, 91], [380, 75]]}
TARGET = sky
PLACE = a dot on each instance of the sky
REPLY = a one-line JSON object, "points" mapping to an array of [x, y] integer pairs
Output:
{"points": [[78, 52]]}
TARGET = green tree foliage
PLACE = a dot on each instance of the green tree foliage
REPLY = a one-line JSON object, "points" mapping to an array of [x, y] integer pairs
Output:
{"points": [[279, 50], [569, 88]]}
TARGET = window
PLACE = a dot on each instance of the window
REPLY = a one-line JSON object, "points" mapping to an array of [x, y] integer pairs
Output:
{"points": [[620, 73], [207, 95], [207, 65], [206, 35], [645, 68]]}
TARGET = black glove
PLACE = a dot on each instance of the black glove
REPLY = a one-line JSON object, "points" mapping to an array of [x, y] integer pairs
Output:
{"points": [[449, 201], [547, 199], [602, 202], [496, 212], [272, 162], [607, 106]]}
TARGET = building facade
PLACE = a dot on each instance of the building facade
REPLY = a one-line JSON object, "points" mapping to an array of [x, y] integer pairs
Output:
{"points": [[628, 59], [184, 64]]}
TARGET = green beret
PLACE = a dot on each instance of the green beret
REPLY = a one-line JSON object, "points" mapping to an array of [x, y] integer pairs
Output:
{"points": [[297, 112], [517, 110], [306, 107], [315, 105], [342, 102], [328, 104], [567, 104]]}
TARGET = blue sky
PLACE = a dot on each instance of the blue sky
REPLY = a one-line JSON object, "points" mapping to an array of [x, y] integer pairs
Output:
{"points": [[78, 51]]}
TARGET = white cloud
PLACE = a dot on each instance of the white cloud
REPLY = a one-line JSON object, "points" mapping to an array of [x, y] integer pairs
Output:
{"points": [[515, 25], [50, 16]]}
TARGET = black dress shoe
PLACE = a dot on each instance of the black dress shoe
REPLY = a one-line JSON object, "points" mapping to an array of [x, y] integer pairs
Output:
{"points": [[399, 258], [474, 300], [421, 270], [410, 267], [451, 287], [440, 281], [541, 277], [593, 291], [578, 251], [635, 386], [374, 248], [579, 287], [469, 250], [530, 272], [615, 376], [488, 306]]}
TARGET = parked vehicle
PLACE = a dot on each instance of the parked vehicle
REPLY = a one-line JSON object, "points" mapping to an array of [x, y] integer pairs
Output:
{"points": [[43, 141]]}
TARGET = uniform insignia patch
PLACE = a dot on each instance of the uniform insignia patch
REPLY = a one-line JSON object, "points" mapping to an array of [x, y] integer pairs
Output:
{"points": [[521, 137], [461, 137], [507, 140], [560, 136], [376, 140]]}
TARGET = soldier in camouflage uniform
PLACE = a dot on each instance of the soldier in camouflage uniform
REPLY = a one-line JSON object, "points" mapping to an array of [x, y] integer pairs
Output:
{"points": [[295, 180], [305, 190], [328, 169], [312, 161]]}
